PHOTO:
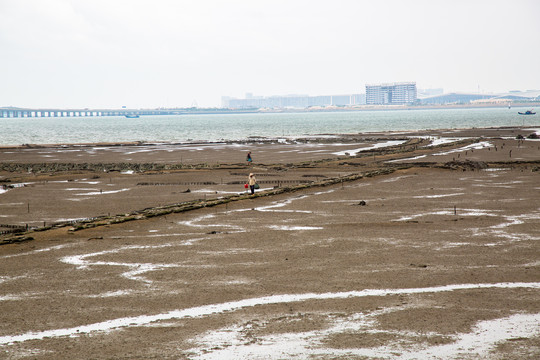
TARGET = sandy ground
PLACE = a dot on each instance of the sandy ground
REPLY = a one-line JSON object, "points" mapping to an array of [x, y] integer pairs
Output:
{"points": [[437, 260]]}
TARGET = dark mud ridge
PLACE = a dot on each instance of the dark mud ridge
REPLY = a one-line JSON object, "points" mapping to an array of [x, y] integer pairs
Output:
{"points": [[190, 205], [95, 167]]}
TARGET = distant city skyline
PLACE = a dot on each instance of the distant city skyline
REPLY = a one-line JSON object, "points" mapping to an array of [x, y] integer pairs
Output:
{"points": [[167, 53], [377, 94]]}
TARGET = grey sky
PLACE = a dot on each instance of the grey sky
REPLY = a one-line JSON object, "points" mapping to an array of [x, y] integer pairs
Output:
{"points": [[152, 53]]}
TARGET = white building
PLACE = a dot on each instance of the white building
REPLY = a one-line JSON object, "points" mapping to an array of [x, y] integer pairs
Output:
{"points": [[391, 94]]}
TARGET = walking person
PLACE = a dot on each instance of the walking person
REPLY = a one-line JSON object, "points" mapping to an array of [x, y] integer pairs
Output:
{"points": [[248, 158], [252, 181]]}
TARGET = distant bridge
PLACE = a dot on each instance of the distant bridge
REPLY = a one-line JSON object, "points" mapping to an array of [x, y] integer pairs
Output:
{"points": [[31, 113]]}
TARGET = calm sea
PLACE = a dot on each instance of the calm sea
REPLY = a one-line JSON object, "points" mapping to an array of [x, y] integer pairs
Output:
{"points": [[195, 128]]}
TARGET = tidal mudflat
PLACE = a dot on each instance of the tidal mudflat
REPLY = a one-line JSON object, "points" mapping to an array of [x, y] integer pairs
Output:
{"points": [[423, 246]]}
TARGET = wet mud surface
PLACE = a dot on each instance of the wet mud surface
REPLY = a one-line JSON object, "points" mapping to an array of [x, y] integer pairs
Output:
{"points": [[436, 257]]}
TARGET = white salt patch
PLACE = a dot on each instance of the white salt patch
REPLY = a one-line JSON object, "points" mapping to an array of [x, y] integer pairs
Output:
{"points": [[375, 146], [507, 185], [153, 235], [476, 146], [102, 192], [397, 178], [510, 182], [205, 310], [213, 191], [495, 169], [442, 141], [415, 216], [436, 196], [511, 221], [517, 220], [230, 251], [136, 269], [288, 151], [52, 248], [80, 189], [4, 279], [483, 338], [21, 296], [140, 151], [236, 282], [194, 222], [454, 245], [276, 205], [294, 228], [459, 212], [111, 294], [312, 151], [127, 172], [477, 212], [408, 159], [232, 342]]}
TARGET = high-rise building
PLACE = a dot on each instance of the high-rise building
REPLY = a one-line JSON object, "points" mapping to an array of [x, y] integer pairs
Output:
{"points": [[391, 94]]}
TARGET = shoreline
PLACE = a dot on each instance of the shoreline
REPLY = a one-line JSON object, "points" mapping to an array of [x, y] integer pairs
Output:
{"points": [[263, 139], [219, 111]]}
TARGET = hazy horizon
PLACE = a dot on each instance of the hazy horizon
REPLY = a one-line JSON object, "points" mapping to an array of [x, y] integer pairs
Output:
{"points": [[166, 53]]}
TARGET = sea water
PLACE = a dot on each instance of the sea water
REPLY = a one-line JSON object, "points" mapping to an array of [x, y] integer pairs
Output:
{"points": [[233, 127]]}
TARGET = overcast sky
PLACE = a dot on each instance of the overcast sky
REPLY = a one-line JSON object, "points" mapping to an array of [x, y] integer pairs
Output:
{"points": [[164, 53]]}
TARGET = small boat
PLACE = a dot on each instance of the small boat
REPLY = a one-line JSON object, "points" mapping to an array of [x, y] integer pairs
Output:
{"points": [[131, 116], [528, 112]]}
